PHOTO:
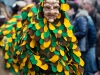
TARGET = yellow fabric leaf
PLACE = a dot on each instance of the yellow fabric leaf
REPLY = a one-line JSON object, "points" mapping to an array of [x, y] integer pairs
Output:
{"points": [[32, 37], [37, 26], [45, 20], [42, 47], [22, 64], [65, 38], [25, 59], [52, 49], [32, 44], [24, 42], [59, 16], [14, 36], [45, 28], [32, 72], [15, 60], [74, 46], [77, 53], [62, 52], [47, 44], [8, 65], [59, 67], [60, 31], [67, 73], [51, 27], [33, 22], [30, 14], [63, 63], [37, 57], [6, 47], [54, 58], [73, 38], [81, 62], [29, 65], [19, 25], [58, 24], [6, 32], [15, 68], [42, 35], [12, 20], [70, 33], [17, 52], [66, 23], [44, 67], [6, 56], [39, 63], [10, 40], [64, 7]]}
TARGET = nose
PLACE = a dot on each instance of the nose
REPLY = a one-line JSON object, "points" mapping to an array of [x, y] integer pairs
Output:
{"points": [[51, 10]]}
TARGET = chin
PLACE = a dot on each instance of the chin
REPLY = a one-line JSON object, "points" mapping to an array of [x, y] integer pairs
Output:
{"points": [[51, 20]]}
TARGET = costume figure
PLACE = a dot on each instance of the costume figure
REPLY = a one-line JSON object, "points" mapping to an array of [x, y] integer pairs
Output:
{"points": [[40, 41]]}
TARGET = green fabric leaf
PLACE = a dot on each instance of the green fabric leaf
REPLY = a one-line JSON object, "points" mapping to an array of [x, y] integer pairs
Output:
{"points": [[30, 25], [54, 69], [36, 68], [61, 73], [64, 58], [34, 10], [37, 33], [8, 35], [55, 31], [17, 16], [62, 1], [67, 68], [24, 15], [62, 27], [53, 44], [56, 52], [9, 28], [29, 52], [46, 34], [41, 41], [23, 55], [10, 61], [32, 58], [41, 23], [64, 34], [71, 27], [34, 62], [25, 69], [76, 59]]}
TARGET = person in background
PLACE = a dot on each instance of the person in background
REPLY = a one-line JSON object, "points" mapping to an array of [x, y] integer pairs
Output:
{"points": [[97, 6], [89, 6], [86, 35], [4, 15], [17, 6], [32, 1]]}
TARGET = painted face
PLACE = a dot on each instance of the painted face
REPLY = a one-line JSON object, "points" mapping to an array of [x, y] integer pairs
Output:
{"points": [[51, 9]]}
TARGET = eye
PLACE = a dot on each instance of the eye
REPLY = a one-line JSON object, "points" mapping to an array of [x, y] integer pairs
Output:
{"points": [[47, 7], [56, 7]]}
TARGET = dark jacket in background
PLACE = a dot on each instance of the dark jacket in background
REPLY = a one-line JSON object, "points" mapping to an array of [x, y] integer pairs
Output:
{"points": [[84, 30], [96, 18]]}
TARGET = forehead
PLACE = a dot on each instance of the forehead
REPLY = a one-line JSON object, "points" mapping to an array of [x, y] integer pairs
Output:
{"points": [[51, 1]]}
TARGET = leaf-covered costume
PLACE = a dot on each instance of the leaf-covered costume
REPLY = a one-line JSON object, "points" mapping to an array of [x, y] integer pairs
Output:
{"points": [[34, 46]]}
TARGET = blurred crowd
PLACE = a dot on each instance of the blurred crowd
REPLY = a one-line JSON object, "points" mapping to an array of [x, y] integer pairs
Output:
{"points": [[84, 16]]}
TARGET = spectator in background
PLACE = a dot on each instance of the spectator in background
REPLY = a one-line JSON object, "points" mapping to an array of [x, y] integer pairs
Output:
{"points": [[86, 36], [17, 6], [89, 6], [32, 1], [97, 5], [4, 15]]}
